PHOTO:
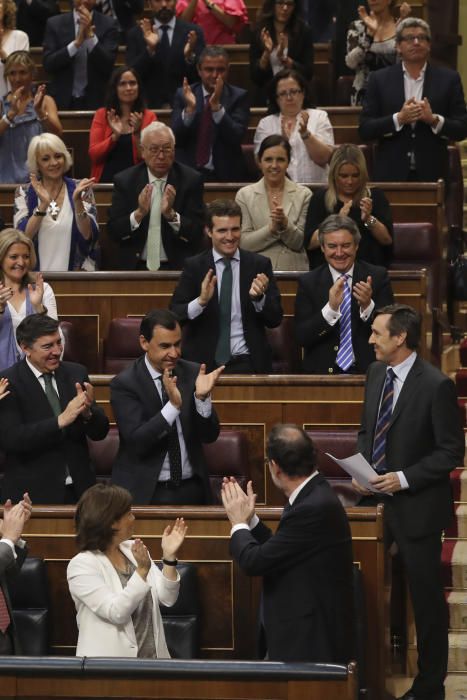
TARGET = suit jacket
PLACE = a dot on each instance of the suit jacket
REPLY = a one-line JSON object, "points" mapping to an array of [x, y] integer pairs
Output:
{"points": [[425, 440], [307, 577], [126, 11], [36, 450], [161, 78], [227, 156], [104, 608], [144, 431], [59, 32], [9, 567], [201, 334], [385, 97], [286, 252], [320, 340], [188, 203], [32, 18]]}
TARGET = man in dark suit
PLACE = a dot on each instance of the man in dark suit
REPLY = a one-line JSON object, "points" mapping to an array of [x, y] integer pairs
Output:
{"points": [[307, 564], [335, 303], [79, 54], [227, 297], [164, 50], [32, 15], [209, 120], [46, 418], [125, 12], [12, 555], [411, 434], [413, 108], [157, 207], [163, 409]]}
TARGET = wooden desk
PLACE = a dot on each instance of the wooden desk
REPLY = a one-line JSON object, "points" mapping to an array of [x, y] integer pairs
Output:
{"points": [[229, 599]]}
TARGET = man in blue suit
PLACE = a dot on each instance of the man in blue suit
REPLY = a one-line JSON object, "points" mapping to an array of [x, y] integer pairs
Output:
{"points": [[209, 120]]}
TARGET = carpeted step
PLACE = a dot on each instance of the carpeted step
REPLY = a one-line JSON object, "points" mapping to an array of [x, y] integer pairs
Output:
{"points": [[457, 603], [458, 527], [456, 687], [458, 653], [459, 483], [454, 564]]}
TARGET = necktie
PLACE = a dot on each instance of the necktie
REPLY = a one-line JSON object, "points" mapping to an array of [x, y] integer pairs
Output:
{"points": [[80, 70], [222, 355], [175, 456], [153, 257], [52, 395], [164, 46], [382, 424], [106, 8], [344, 356], [5, 618], [204, 145]]}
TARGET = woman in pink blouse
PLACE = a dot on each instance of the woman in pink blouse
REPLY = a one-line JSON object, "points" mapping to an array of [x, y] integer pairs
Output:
{"points": [[220, 20]]}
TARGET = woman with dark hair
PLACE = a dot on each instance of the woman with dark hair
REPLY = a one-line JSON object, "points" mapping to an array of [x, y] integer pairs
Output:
{"points": [[308, 131], [274, 209], [115, 129], [115, 585], [371, 42], [348, 194]]}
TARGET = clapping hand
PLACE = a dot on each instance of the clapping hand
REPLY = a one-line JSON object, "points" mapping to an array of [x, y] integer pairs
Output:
{"points": [[366, 207], [370, 21], [171, 388], [259, 287], [82, 188], [3, 388], [172, 539], [208, 285], [142, 558], [189, 47], [239, 506], [206, 382], [135, 120], [336, 294], [266, 40], [151, 37], [5, 295], [42, 194], [188, 96], [115, 122], [362, 291], [36, 291]]}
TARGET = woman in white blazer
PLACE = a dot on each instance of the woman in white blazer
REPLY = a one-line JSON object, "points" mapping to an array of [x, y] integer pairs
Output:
{"points": [[114, 584], [274, 209]]}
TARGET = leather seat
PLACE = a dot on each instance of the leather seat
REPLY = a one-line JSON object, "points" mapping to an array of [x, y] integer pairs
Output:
{"points": [[30, 603], [228, 456], [416, 246], [339, 443], [182, 620], [121, 346], [286, 355]]}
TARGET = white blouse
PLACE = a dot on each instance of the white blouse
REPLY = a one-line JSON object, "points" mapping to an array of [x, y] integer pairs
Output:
{"points": [[301, 167]]}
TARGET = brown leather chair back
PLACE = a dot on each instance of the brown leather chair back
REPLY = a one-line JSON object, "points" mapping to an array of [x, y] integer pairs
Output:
{"points": [[339, 443], [228, 456], [72, 343], [286, 357], [415, 246], [121, 346]]}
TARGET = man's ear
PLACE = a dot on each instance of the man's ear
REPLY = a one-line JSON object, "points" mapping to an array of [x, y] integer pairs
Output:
{"points": [[25, 349], [143, 342]]}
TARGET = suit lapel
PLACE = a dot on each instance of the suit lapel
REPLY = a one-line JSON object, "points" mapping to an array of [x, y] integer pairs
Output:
{"points": [[245, 279], [289, 191], [66, 389], [149, 392], [408, 389], [399, 92], [374, 389], [34, 391]]}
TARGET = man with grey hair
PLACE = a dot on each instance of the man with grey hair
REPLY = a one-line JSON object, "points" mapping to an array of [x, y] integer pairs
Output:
{"points": [[414, 109], [210, 119], [335, 303], [157, 207]]}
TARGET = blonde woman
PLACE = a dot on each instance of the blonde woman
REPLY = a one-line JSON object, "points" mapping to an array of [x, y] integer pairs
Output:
{"points": [[11, 39], [348, 194]]}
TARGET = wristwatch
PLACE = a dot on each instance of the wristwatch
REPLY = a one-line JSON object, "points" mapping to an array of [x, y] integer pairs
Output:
{"points": [[371, 221], [38, 212]]}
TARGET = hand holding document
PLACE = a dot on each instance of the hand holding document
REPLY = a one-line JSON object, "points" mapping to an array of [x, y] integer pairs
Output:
{"points": [[359, 469]]}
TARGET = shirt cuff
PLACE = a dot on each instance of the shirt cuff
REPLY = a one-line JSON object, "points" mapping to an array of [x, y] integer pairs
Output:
{"points": [[259, 304], [194, 309], [175, 224], [170, 413], [439, 125], [218, 116], [188, 118], [329, 315], [133, 223], [72, 49], [91, 43], [397, 126], [403, 481], [366, 313], [204, 408], [246, 526], [10, 544]]}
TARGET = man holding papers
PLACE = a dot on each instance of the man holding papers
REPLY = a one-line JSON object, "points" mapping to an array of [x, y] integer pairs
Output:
{"points": [[411, 434]]}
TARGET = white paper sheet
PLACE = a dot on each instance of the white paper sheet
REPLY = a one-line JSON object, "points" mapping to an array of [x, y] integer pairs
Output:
{"points": [[359, 469]]}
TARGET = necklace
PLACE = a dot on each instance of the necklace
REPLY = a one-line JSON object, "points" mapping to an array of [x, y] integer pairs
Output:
{"points": [[53, 209]]}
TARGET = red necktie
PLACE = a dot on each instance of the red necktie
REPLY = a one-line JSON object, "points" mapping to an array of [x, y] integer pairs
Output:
{"points": [[204, 147], [5, 618]]}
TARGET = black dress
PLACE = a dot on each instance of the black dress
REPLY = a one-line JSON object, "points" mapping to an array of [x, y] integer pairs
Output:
{"points": [[369, 248]]}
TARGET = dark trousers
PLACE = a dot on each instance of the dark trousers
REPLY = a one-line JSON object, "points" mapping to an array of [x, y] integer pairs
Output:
{"points": [[422, 562], [189, 493]]}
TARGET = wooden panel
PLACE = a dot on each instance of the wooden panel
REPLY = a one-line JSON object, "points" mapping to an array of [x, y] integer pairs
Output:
{"points": [[229, 598]]}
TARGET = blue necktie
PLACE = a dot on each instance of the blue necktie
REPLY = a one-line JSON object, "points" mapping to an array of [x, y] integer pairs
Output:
{"points": [[222, 355], [382, 424], [344, 357]]}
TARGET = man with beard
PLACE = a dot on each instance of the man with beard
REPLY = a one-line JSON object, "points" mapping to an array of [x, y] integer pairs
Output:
{"points": [[164, 50]]}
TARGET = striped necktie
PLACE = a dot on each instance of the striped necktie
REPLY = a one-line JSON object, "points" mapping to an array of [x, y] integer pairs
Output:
{"points": [[173, 450], [5, 618], [382, 424], [344, 357], [222, 355]]}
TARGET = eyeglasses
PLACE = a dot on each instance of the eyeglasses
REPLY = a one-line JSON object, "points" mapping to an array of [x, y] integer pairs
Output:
{"points": [[293, 92], [412, 38], [128, 83], [285, 3], [155, 150]]}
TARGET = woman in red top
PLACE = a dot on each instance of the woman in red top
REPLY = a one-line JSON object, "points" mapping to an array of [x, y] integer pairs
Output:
{"points": [[115, 129]]}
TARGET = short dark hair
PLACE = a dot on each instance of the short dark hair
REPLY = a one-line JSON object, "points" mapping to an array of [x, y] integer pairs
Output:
{"points": [[212, 52], [157, 317], [292, 449], [273, 105], [222, 207], [33, 327], [335, 222], [97, 510], [403, 319], [271, 142]]}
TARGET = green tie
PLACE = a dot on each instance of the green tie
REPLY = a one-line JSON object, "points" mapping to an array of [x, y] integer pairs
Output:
{"points": [[153, 249], [222, 355], [52, 395]]}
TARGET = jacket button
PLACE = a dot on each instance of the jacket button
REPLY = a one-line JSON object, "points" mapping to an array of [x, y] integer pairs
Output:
{"points": [[330, 370], [336, 348]]}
